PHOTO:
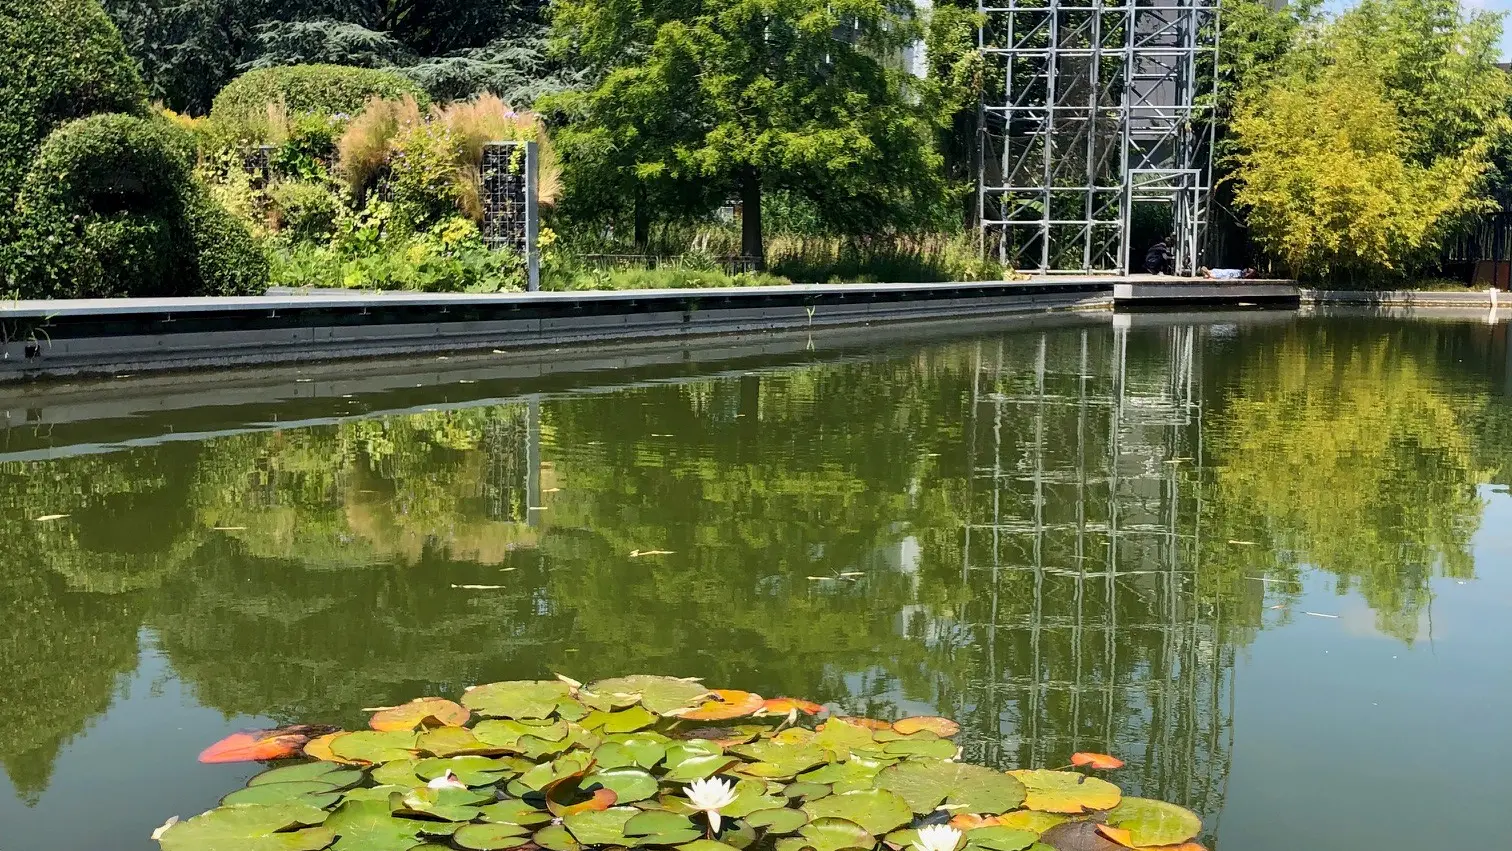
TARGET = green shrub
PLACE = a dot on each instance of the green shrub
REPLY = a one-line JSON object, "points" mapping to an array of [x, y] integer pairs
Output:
{"points": [[425, 183], [59, 60], [450, 257], [319, 89], [305, 211], [110, 208]]}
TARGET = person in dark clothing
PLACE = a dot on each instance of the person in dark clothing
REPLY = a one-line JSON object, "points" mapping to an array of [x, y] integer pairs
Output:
{"points": [[1158, 260]]}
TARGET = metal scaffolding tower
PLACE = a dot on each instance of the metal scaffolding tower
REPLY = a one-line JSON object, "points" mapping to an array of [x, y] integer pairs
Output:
{"points": [[1094, 107], [1083, 537]]}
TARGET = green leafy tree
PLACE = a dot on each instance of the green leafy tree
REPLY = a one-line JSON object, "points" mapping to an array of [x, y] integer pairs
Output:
{"points": [[745, 97]]}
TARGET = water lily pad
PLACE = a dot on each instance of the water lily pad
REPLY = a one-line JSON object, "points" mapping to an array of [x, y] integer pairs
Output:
{"points": [[1066, 791], [806, 790], [399, 772], [829, 834], [876, 810], [332, 775], [491, 837], [536, 748], [789, 705], [628, 783], [934, 748], [942, 727], [661, 695], [925, 784], [369, 826], [445, 804], [723, 704], [388, 794], [700, 767], [657, 821], [778, 759], [454, 741], [374, 746], [1076, 836], [516, 699], [311, 792], [555, 838], [778, 820], [1000, 838], [600, 827], [705, 845], [644, 749], [851, 775], [514, 812], [252, 827], [1031, 820], [1099, 761], [320, 748], [542, 775], [1151, 822], [471, 770], [839, 738], [507, 733], [420, 712], [624, 721]]}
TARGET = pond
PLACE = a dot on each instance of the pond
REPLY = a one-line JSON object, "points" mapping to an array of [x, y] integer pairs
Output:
{"points": [[1262, 557]]}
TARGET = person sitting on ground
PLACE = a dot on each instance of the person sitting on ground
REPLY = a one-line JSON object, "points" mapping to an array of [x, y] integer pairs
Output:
{"points": [[1159, 259], [1228, 274]]}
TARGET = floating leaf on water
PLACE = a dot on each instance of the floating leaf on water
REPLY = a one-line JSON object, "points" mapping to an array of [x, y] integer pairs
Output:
{"points": [[803, 789], [839, 737], [507, 733], [1031, 820], [398, 772], [600, 827], [750, 796], [255, 745], [925, 784], [514, 812], [421, 712], [662, 695], [311, 792], [778, 820], [934, 748], [601, 799], [516, 699], [320, 748], [829, 834], [629, 783], [1066, 791], [1099, 761], [776, 759], [706, 845], [491, 837], [387, 793], [864, 723], [251, 827], [723, 705], [457, 805], [1151, 822], [788, 705], [1077, 836], [471, 770], [556, 838], [942, 727], [876, 810], [1001, 838], [700, 767], [454, 741], [370, 826], [334, 776], [374, 746], [855, 773], [624, 721]]}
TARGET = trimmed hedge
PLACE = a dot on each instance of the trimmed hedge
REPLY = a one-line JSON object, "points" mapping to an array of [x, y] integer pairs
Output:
{"points": [[318, 89], [111, 208], [62, 60]]}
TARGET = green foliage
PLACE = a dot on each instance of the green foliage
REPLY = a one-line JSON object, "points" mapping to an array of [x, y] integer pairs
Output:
{"points": [[110, 208], [910, 260], [323, 90], [424, 180], [306, 211], [62, 60], [369, 252], [1374, 140]]}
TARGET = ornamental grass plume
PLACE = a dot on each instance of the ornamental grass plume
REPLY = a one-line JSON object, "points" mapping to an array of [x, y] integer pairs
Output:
{"points": [[488, 118], [709, 796], [363, 151]]}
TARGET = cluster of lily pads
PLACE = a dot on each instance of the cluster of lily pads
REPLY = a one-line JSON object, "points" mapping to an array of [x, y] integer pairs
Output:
{"points": [[660, 763]]}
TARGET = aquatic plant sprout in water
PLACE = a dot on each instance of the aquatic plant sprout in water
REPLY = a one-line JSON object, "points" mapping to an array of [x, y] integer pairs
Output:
{"points": [[628, 762]]}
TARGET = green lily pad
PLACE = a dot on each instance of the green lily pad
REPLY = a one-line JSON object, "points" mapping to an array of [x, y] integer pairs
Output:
{"points": [[555, 838], [514, 812], [630, 784], [400, 772], [706, 845], [840, 738], [600, 827], [577, 738], [807, 790], [1031, 820], [925, 784], [876, 810], [336, 776], [369, 826], [517, 699], [444, 804], [251, 827], [374, 746], [828, 834], [312, 792], [453, 741], [854, 774], [645, 749], [625, 721], [700, 767], [1152, 822], [778, 820], [566, 765], [999, 838], [1066, 791], [491, 837], [657, 821], [673, 837], [779, 760], [661, 695], [935, 748], [739, 835], [391, 795], [507, 732], [750, 796], [471, 770]]}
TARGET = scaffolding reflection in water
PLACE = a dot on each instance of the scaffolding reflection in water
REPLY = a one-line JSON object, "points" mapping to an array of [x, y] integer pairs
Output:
{"points": [[1084, 532]]}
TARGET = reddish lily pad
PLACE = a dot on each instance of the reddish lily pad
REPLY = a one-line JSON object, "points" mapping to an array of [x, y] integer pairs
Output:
{"points": [[420, 712], [1099, 761], [723, 705]]}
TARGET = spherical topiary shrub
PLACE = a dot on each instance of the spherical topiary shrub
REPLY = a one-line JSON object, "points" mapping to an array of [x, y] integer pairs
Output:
{"points": [[59, 60], [110, 208], [318, 89]]}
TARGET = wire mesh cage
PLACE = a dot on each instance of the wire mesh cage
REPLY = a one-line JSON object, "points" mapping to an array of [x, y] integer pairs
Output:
{"points": [[508, 192]]}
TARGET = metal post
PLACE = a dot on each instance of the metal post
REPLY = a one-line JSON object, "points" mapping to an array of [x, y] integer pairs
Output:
{"points": [[532, 216]]}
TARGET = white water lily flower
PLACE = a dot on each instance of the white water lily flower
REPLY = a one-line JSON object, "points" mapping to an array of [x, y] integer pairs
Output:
{"points": [[937, 837], [157, 834], [446, 781], [710, 795]]}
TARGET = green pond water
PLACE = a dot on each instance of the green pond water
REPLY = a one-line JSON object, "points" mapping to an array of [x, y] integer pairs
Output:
{"points": [[1263, 558]]}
